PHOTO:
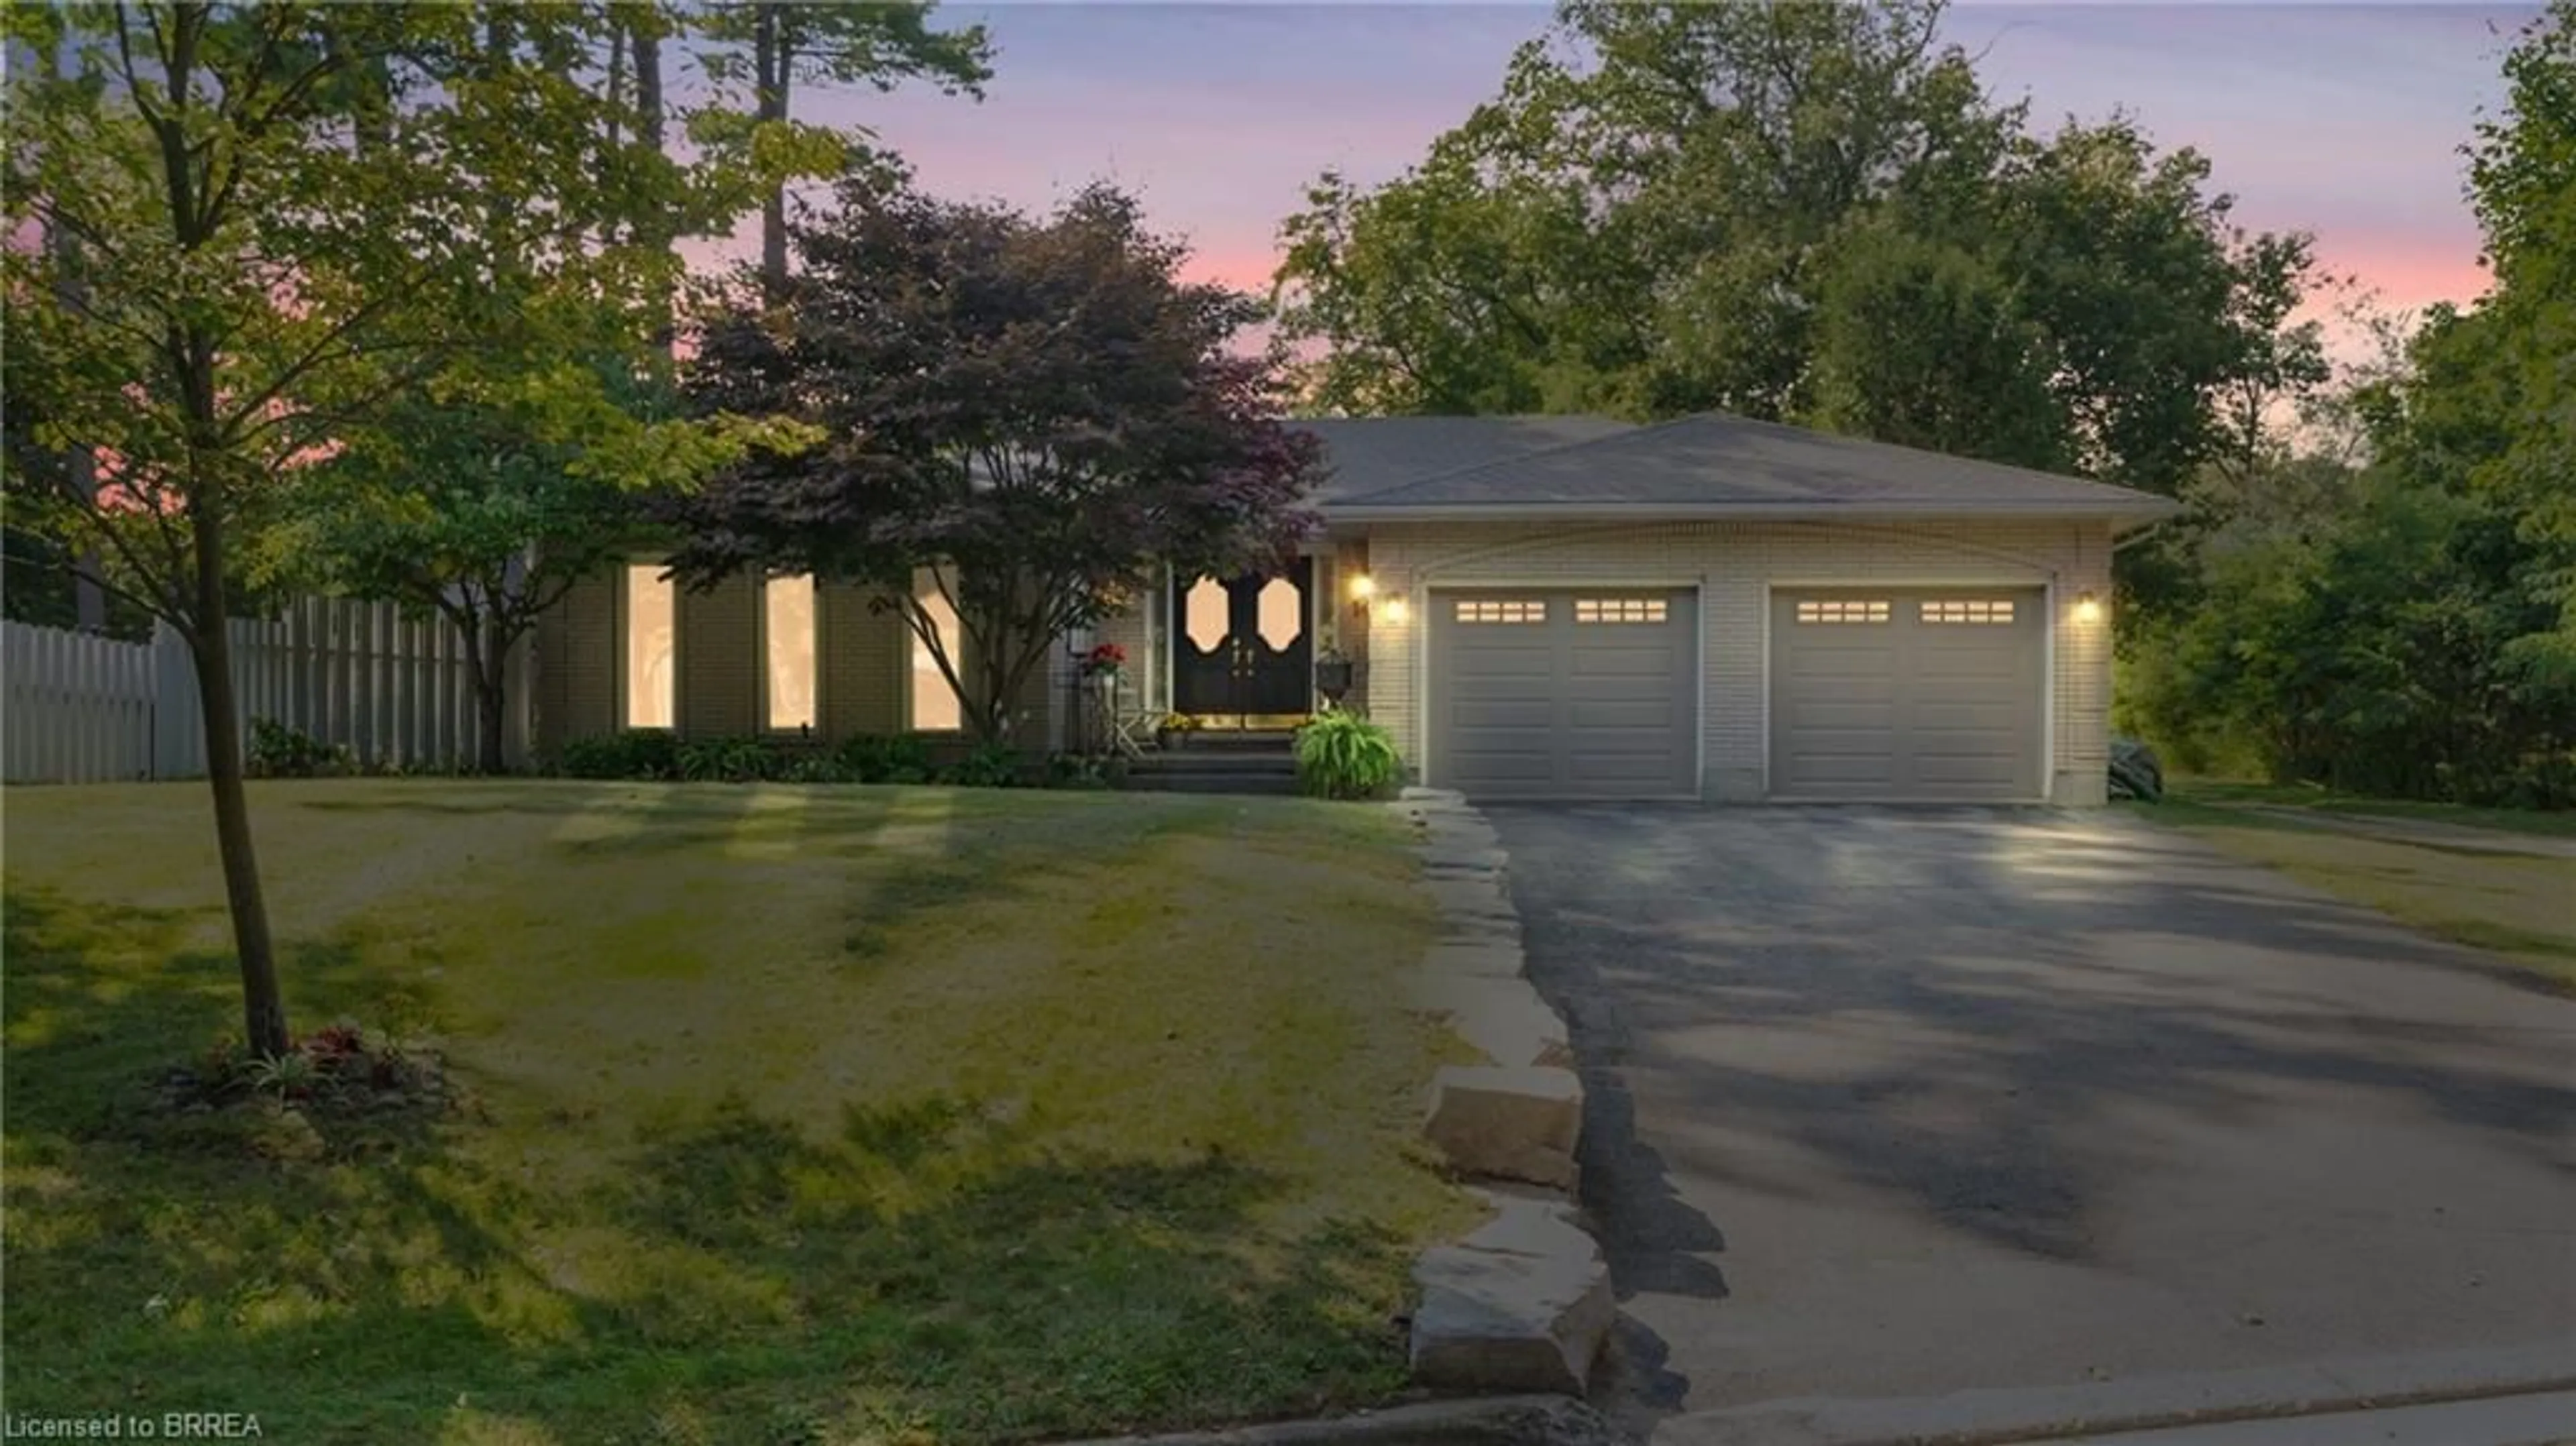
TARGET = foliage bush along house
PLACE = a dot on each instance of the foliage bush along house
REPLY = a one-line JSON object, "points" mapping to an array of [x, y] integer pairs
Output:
{"points": [[658, 755], [278, 750]]}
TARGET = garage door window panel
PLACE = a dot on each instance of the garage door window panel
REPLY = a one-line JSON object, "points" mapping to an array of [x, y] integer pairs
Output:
{"points": [[1967, 612], [1515, 611], [1645, 610], [1825, 611]]}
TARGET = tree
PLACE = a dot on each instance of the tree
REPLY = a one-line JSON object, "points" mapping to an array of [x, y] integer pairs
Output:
{"points": [[1040, 412], [271, 248], [775, 45], [482, 500], [2404, 626], [2522, 181], [1705, 156], [1924, 343], [1803, 212], [481, 495]]}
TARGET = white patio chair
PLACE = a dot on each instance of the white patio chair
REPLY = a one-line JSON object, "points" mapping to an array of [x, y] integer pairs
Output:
{"points": [[1131, 724]]}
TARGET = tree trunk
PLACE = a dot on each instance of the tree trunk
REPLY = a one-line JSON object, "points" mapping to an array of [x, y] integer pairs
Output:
{"points": [[80, 466], [769, 63], [210, 647], [617, 37], [647, 42], [487, 659]]}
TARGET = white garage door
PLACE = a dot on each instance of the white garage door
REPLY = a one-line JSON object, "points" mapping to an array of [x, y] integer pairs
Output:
{"points": [[1880, 693], [1564, 693]]}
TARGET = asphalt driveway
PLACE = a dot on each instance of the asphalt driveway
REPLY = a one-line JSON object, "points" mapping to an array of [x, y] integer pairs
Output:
{"points": [[1901, 1103]]}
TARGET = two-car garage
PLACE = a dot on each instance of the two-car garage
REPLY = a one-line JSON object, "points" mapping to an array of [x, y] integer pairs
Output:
{"points": [[1934, 694]]}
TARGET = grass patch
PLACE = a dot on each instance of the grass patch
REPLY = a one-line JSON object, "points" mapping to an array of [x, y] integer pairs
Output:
{"points": [[2557, 823], [806, 1115], [2512, 905]]}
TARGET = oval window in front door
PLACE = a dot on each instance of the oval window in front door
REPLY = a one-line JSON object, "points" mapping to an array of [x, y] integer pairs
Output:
{"points": [[1282, 614], [1204, 614]]}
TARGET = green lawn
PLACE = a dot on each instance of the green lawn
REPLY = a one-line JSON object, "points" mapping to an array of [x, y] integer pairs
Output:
{"points": [[806, 1115], [2558, 822], [2513, 906]]}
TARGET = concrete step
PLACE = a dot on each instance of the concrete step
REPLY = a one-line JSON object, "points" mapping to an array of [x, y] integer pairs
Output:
{"points": [[1236, 740], [1264, 783], [1216, 761]]}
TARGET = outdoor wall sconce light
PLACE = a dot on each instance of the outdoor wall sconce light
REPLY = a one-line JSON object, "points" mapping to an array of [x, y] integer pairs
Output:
{"points": [[2088, 608], [1363, 587], [1392, 610]]}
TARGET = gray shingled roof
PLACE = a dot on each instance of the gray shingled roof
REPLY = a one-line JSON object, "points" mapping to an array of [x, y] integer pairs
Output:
{"points": [[1372, 454], [1718, 465]]}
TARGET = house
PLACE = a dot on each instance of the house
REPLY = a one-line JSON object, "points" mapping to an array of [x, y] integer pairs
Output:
{"points": [[1538, 608]]}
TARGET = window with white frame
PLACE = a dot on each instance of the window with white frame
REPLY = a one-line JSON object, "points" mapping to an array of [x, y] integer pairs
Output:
{"points": [[1844, 610], [652, 633], [787, 637], [935, 708]]}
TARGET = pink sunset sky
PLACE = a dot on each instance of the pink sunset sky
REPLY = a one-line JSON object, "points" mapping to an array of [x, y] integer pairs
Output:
{"points": [[2344, 120]]}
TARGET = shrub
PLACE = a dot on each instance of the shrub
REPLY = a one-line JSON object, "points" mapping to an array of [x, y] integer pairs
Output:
{"points": [[880, 758], [294, 1075], [991, 765], [278, 750], [1076, 770], [1343, 755], [817, 768], [729, 760], [650, 753], [340, 1064]]}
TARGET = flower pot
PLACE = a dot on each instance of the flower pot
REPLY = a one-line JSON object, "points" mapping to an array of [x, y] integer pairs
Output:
{"points": [[1333, 680]]}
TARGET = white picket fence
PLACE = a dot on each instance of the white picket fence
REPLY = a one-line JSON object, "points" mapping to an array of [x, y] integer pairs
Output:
{"points": [[80, 707], [395, 690]]}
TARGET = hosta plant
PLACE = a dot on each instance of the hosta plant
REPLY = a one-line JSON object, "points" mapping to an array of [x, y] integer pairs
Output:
{"points": [[1343, 755]]}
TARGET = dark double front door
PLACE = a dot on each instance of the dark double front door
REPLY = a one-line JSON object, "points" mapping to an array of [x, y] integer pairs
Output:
{"points": [[1243, 645]]}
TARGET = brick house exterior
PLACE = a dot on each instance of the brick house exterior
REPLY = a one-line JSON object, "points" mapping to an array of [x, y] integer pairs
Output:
{"points": [[1742, 533]]}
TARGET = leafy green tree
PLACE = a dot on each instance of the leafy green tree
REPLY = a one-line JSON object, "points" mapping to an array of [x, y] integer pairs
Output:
{"points": [[1041, 413], [1924, 343], [482, 500], [2404, 628], [277, 238], [1447, 288], [483, 494], [1804, 212], [1683, 166], [2522, 180]]}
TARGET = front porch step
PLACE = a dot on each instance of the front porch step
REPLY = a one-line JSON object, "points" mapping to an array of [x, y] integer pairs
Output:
{"points": [[1269, 785], [1214, 760], [1282, 741], [1238, 769]]}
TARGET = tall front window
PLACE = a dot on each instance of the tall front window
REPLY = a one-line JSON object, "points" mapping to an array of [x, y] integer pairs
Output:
{"points": [[787, 632], [652, 617], [934, 704]]}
